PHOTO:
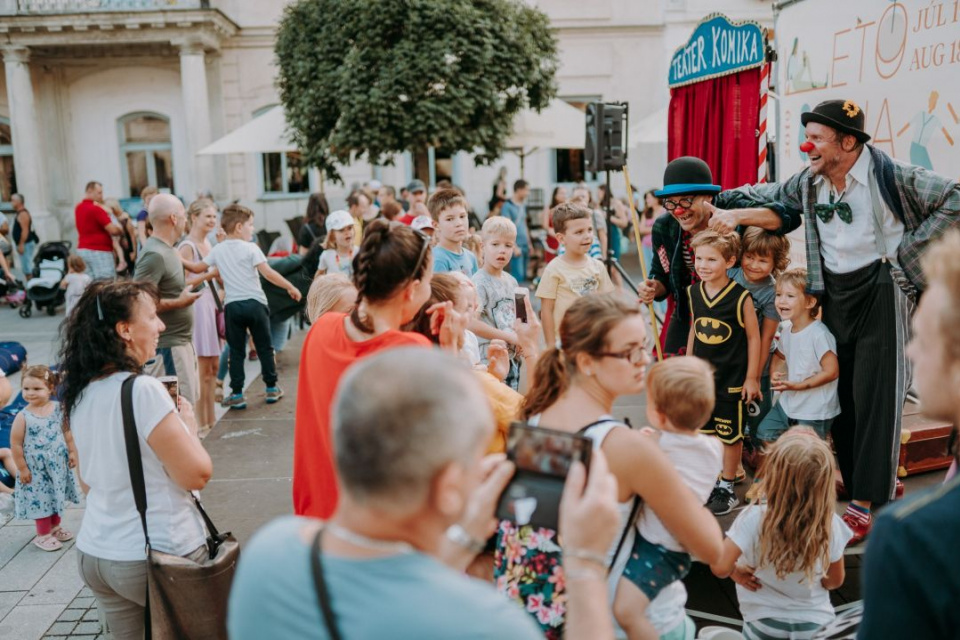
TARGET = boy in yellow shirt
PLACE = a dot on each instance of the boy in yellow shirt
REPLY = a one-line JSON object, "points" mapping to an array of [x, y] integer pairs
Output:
{"points": [[573, 274]]}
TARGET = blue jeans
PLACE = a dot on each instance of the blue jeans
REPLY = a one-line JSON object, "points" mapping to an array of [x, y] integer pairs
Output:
{"points": [[280, 332], [777, 422], [518, 264], [252, 316]]}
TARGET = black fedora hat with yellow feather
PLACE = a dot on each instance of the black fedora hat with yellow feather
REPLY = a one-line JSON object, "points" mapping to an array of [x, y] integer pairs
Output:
{"points": [[845, 116]]}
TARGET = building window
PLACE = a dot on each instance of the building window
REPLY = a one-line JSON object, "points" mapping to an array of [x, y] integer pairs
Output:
{"points": [[146, 152], [284, 173], [8, 177]]}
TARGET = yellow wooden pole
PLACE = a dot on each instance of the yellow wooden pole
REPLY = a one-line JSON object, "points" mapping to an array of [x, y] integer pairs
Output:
{"points": [[643, 267]]}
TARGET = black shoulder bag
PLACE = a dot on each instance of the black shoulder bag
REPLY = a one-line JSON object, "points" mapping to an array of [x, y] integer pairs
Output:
{"points": [[186, 600]]}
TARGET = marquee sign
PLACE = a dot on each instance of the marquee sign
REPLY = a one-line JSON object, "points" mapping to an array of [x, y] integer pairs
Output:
{"points": [[717, 47]]}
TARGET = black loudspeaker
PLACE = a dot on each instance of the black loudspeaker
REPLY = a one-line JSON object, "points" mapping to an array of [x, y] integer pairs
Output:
{"points": [[604, 149]]}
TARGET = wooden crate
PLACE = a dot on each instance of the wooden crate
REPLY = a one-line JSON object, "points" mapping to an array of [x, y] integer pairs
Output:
{"points": [[923, 443]]}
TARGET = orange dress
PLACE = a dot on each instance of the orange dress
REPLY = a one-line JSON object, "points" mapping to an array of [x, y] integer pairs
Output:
{"points": [[327, 353]]}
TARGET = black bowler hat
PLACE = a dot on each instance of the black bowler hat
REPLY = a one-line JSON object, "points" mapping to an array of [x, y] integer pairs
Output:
{"points": [[687, 176], [845, 116]]}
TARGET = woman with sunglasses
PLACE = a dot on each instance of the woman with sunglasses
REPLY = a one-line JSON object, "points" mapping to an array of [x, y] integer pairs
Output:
{"points": [[694, 204], [392, 273], [601, 358]]}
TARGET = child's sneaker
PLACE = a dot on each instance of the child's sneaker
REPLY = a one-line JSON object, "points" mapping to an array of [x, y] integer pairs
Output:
{"points": [[274, 394], [234, 401], [722, 501]]}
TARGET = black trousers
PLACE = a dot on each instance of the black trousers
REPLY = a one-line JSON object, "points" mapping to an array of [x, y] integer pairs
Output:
{"points": [[253, 316], [869, 315]]}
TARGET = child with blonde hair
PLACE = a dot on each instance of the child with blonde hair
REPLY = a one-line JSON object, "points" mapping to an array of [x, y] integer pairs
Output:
{"points": [[330, 292], [340, 248], [680, 398], [44, 458], [787, 554], [76, 281]]}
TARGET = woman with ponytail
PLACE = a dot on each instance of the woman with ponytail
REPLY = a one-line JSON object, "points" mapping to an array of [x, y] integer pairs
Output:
{"points": [[392, 273], [601, 358]]}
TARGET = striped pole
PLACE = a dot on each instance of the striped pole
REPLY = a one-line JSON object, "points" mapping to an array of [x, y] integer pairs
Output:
{"points": [[762, 127]]}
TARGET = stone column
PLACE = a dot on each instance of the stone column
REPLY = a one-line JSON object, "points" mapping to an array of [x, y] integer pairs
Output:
{"points": [[27, 146], [196, 111]]}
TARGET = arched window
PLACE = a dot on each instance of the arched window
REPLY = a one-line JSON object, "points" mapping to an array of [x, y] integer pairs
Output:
{"points": [[8, 178], [146, 152], [282, 173]]}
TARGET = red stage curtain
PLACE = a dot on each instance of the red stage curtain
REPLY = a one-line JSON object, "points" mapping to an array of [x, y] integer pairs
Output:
{"points": [[716, 120]]}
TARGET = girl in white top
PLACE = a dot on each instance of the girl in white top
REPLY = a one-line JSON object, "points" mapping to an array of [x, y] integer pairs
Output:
{"points": [[787, 554], [340, 246], [602, 357], [111, 336]]}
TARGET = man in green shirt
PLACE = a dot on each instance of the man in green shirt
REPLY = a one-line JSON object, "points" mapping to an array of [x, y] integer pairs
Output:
{"points": [[160, 264]]}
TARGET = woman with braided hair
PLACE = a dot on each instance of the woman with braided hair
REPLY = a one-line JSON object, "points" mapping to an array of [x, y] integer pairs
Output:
{"points": [[392, 273]]}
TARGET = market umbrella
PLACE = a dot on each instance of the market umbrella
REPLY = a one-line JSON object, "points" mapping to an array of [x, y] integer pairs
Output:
{"points": [[558, 126], [266, 133]]}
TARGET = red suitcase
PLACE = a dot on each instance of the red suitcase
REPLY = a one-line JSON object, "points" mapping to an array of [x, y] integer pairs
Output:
{"points": [[923, 443]]}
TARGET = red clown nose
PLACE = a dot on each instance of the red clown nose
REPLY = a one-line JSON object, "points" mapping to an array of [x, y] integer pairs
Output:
{"points": [[806, 147]]}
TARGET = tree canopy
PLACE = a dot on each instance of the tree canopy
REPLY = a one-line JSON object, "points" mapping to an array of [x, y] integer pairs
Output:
{"points": [[373, 78]]}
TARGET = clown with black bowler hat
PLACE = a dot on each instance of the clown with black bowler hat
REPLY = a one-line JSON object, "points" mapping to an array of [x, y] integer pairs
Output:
{"points": [[695, 203], [868, 221]]}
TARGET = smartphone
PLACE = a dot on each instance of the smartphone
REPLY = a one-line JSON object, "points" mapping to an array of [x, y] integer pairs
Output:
{"points": [[199, 287], [173, 387], [542, 458], [519, 299]]}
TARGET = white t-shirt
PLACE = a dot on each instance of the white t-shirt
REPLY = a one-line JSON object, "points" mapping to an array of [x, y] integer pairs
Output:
{"points": [[698, 459], [794, 598], [332, 262], [471, 348], [76, 284], [803, 351], [237, 261], [111, 526]]}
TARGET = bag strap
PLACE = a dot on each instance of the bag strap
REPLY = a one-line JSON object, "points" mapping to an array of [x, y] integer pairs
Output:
{"points": [[134, 459], [323, 596], [135, 465]]}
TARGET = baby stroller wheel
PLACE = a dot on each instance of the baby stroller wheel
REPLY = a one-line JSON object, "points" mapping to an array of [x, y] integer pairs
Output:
{"points": [[51, 310], [26, 311]]}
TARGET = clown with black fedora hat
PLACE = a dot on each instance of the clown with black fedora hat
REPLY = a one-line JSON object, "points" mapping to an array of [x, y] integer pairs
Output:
{"points": [[869, 219], [695, 202]]}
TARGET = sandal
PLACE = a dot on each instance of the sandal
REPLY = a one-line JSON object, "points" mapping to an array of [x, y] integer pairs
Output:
{"points": [[218, 394], [61, 534], [47, 543]]}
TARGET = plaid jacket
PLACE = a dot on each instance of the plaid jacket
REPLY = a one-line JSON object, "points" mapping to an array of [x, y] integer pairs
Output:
{"points": [[927, 203]]}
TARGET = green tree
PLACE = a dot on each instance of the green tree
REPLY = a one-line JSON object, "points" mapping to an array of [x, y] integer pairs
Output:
{"points": [[372, 78]]}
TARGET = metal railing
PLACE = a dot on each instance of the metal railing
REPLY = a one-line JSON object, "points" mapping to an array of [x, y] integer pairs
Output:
{"points": [[33, 7]]}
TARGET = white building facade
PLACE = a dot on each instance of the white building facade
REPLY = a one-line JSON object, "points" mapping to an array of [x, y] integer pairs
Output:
{"points": [[125, 92]]}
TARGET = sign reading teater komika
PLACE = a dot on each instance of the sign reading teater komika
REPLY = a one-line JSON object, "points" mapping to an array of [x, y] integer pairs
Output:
{"points": [[717, 47]]}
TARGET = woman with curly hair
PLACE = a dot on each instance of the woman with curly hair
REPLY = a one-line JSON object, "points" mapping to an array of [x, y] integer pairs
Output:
{"points": [[112, 333], [392, 274]]}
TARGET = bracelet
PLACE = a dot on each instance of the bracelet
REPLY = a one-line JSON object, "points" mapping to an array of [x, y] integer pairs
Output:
{"points": [[583, 574], [589, 556], [459, 536]]}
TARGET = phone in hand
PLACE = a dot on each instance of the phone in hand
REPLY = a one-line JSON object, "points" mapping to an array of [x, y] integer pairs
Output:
{"points": [[542, 458], [173, 387], [520, 300], [200, 287]]}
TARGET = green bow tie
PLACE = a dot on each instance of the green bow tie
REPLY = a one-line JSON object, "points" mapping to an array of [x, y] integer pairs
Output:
{"points": [[826, 211]]}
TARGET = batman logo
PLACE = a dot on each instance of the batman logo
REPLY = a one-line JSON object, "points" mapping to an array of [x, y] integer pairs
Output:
{"points": [[711, 331]]}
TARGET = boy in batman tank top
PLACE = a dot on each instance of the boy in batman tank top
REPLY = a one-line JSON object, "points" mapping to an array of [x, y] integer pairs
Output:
{"points": [[724, 332]]}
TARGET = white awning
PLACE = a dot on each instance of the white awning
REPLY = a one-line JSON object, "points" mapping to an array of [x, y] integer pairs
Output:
{"points": [[558, 126], [650, 130], [266, 133]]}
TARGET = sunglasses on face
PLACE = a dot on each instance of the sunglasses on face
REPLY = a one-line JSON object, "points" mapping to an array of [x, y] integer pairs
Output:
{"points": [[670, 205]]}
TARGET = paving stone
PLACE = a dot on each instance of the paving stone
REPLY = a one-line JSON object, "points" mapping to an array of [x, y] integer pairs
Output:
{"points": [[83, 602], [60, 585], [91, 616], [88, 628], [8, 600], [70, 615], [12, 541], [83, 637], [61, 628], [86, 593]]}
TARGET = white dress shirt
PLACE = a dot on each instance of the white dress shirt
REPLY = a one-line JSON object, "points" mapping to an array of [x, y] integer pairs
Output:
{"points": [[848, 247]]}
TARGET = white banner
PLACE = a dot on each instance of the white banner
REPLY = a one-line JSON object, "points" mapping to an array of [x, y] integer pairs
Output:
{"points": [[900, 61]]}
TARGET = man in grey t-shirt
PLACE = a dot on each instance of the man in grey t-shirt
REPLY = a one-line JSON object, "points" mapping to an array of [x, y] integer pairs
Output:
{"points": [[160, 264]]}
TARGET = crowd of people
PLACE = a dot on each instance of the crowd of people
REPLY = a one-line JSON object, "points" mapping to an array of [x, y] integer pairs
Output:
{"points": [[425, 346]]}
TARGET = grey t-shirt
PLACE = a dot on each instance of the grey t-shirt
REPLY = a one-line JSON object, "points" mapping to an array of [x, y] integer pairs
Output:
{"points": [[408, 595], [160, 264], [764, 294], [496, 302]]}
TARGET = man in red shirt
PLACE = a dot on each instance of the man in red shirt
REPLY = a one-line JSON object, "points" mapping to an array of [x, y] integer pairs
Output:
{"points": [[418, 200], [95, 229]]}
